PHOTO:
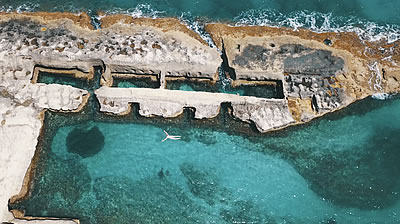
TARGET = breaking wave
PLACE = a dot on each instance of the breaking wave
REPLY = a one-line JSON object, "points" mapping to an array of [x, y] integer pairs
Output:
{"points": [[26, 7], [315, 21], [320, 22], [141, 10], [382, 96], [197, 26]]}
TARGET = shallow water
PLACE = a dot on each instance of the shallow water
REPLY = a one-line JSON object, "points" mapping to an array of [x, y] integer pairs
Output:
{"points": [[340, 169], [343, 167]]}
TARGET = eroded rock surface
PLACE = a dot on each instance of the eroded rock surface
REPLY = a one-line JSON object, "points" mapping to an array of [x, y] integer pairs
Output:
{"points": [[21, 104], [126, 47], [321, 72], [267, 114], [317, 76]]}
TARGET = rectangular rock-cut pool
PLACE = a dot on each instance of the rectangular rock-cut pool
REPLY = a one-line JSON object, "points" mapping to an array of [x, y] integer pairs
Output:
{"points": [[325, 172], [272, 89]]}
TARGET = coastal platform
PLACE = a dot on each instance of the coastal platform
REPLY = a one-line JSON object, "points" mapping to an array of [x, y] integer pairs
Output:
{"points": [[315, 74]]}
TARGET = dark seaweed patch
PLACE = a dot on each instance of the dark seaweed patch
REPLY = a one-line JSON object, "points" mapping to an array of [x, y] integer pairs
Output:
{"points": [[85, 143]]}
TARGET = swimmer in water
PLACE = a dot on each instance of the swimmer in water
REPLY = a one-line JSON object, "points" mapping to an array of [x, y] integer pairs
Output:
{"points": [[173, 137]]}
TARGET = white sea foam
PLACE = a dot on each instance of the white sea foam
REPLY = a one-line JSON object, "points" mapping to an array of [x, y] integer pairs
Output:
{"points": [[382, 96], [141, 10], [198, 27], [26, 7], [320, 22], [315, 21], [375, 80]]}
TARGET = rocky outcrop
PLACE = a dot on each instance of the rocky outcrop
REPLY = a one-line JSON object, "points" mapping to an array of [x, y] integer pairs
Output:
{"points": [[318, 73], [21, 106], [321, 72], [135, 46], [21, 121], [267, 114]]}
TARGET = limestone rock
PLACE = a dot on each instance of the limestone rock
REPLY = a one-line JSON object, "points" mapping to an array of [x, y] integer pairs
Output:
{"points": [[267, 114]]}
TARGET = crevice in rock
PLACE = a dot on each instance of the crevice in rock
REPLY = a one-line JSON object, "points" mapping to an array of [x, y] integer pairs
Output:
{"points": [[94, 20], [227, 70]]}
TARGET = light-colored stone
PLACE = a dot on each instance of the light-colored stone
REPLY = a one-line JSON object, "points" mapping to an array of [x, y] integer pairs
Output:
{"points": [[20, 106], [267, 114]]}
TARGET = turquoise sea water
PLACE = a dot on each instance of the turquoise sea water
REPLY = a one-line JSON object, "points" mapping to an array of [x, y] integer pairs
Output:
{"points": [[371, 19], [340, 169], [343, 168]]}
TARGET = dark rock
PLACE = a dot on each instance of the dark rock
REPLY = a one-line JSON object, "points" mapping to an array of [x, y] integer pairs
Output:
{"points": [[143, 42], [313, 62], [314, 103], [85, 143], [251, 54], [246, 212], [328, 42], [31, 35], [35, 42], [80, 45], [60, 49], [156, 46], [289, 49], [123, 52], [202, 185]]}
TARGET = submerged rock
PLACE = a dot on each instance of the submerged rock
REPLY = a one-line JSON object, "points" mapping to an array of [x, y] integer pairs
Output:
{"points": [[204, 184], [246, 212], [59, 188], [151, 200], [85, 143], [362, 178]]}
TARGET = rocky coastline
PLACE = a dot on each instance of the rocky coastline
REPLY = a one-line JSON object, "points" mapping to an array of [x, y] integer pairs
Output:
{"points": [[318, 73]]}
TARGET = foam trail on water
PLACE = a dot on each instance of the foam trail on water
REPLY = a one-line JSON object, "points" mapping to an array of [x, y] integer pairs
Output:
{"points": [[197, 26]]}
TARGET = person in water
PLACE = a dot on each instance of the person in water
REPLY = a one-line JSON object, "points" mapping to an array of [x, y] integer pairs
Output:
{"points": [[161, 173], [173, 137]]}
